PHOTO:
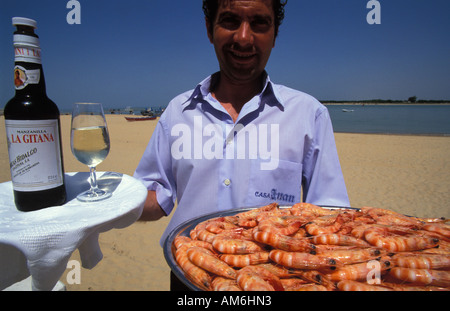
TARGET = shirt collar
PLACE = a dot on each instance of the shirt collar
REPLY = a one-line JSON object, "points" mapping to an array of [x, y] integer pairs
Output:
{"points": [[269, 94]]}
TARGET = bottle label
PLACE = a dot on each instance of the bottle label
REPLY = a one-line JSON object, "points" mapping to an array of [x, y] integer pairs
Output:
{"points": [[27, 54], [34, 154], [24, 77]]}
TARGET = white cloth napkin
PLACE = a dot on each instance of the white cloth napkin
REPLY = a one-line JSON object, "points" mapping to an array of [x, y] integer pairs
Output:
{"points": [[41, 243]]}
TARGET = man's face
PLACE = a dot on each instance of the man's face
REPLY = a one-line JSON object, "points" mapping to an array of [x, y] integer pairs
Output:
{"points": [[243, 37]]}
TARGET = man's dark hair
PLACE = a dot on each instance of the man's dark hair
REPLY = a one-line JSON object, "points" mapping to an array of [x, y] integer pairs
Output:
{"points": [[210, 8]]}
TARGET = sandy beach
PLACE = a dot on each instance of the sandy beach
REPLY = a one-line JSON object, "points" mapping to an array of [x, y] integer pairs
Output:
{"points": [[408, 174]]}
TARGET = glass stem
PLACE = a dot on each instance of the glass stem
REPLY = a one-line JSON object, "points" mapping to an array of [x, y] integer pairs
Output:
{"points": [[93, 180]]}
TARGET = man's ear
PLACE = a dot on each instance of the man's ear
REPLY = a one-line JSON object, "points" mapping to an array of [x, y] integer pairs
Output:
{"points": [[209, 30]]}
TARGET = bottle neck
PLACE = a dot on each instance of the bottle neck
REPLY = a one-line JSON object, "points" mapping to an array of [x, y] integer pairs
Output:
{"points": [[28, 72]]}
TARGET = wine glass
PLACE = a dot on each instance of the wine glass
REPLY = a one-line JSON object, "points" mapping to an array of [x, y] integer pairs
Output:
{"points": [[90, 144]]}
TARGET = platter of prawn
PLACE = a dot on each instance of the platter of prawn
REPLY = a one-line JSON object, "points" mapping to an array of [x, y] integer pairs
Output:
{"points": [[305, 247]]}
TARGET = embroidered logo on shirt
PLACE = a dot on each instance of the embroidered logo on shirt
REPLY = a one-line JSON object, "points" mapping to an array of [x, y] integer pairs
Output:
{"points": [[274, 195]]}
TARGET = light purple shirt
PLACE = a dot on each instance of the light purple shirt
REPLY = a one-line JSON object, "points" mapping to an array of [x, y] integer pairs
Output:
{"points": [[282, 143]]}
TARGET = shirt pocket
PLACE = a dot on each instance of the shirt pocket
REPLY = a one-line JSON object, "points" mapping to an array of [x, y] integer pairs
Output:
{"points": [[281, 185]]}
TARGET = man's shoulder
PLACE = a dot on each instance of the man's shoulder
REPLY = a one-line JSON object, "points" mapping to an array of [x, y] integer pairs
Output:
{"points": [[291, 96], [182, 98]]}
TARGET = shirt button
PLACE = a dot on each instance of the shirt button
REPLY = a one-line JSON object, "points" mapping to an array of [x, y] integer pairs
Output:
{"points": [[227, 182]]}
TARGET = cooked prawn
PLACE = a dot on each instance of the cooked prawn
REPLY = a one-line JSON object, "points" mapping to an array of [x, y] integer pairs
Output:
{"points": [[204, 235], [339, 239], [241, 261], [351, 256], [398, 220], [234, 245], [441, 229], [283, 242], [348, 285], [206, 260], [180, 241], [301, 233], [196, 275], [253, 213], [311, 210], [433, 220], [359, 271], [310, 288], [383, 238], [375, 211], [255, 278], [220, 224], [303, 260], [358, 231], [422, 276], [301, 285], [317, 277], [292, 283], [422, 261], [285, 225], [241, 222], [315, 229], [413, 288], [221, 284], [193, 233], [280, 271], [277, 212]]}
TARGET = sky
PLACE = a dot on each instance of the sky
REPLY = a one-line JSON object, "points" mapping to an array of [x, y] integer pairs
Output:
{"points": [[143, 53]]}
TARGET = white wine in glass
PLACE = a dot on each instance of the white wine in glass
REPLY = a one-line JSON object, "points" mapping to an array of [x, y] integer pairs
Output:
{"points": [[90, 144]]}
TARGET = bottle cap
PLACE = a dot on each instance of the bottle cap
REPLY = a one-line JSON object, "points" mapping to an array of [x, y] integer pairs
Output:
{"points": [[25, 38], [23, 21]]}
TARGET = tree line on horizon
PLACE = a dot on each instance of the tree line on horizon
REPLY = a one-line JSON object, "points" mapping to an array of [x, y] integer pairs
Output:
{"points": [[410, 100]]}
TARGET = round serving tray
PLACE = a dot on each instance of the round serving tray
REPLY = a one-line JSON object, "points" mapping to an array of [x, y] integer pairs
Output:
{"points": [[184, 230]]}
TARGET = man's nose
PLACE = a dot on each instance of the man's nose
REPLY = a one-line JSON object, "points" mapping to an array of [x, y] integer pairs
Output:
{"points": [[244, 35]]}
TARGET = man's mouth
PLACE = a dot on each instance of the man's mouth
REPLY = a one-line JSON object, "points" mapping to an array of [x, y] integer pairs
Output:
{"points": [[242, 55]]}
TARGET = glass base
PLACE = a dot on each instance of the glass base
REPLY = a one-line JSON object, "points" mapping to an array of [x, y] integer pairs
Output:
{"points": [[94, 196]]}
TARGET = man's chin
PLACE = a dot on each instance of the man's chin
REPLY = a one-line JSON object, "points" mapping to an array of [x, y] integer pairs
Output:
{"points": [[244, 75]]}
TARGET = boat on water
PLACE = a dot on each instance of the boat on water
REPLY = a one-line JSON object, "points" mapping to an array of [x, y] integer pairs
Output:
{"points": [[133, 119], [348, 110]]}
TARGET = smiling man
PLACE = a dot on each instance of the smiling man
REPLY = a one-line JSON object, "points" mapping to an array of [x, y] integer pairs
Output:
{"points": [[209, 148], [243, 35]]}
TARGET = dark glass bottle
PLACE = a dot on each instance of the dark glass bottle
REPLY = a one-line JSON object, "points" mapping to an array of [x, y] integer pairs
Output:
{"points": [[33, 128]]}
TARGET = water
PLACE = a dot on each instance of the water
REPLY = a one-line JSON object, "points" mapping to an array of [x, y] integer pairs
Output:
{"points": [[392, 119]]}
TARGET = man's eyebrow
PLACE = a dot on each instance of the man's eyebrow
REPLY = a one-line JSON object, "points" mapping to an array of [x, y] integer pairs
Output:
{"points": [[227, 14], [262, 16], [234, 15]]}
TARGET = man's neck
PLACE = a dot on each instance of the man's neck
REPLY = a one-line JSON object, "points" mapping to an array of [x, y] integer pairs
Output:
{"points": [[233, 96]]}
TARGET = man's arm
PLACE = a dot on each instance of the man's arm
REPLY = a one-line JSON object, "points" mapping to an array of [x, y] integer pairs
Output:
{"points": [[323, 181], [152, 210]]}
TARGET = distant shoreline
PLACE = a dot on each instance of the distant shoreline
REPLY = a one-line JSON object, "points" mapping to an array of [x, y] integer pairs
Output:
{"points": [[326, 103], [384, 103]]}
